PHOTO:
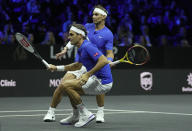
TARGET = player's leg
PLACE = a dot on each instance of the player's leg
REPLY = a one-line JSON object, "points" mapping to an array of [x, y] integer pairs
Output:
{"points": [[100, 108], [57, 96], [73, 117], [95, 87], [73, 90]]}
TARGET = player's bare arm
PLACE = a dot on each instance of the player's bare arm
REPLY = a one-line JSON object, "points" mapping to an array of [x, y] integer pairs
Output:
{"points": [[60, 54], [70, 67], [110, 54]]}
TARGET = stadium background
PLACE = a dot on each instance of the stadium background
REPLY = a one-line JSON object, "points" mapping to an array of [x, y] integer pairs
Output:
{"points": [[164, 27]]}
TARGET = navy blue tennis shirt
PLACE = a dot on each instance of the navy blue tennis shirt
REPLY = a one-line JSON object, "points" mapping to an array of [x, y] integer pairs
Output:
{"points": [[88, 54]]}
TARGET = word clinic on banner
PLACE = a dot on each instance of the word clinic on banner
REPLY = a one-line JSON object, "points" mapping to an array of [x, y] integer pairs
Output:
{"points": [[7, 83]]}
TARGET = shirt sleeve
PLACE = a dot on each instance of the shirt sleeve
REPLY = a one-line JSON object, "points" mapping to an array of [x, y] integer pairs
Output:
{"points": [[109, 42], [77, 58], [93, 52]]}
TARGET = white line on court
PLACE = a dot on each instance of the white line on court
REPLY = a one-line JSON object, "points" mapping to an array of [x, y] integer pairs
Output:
{"points": [[55, 114], [11, 111], [110, 111]]}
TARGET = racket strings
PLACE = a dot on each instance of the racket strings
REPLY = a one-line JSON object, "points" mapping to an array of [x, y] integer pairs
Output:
{"points": [[137, 55]]}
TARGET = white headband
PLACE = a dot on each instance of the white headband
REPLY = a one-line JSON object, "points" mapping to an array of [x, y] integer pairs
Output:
{"points": [[75, 29], [100, 11]]}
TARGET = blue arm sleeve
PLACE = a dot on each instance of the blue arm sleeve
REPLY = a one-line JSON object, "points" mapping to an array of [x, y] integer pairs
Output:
{"points": [[109, 42], [93, 52]]}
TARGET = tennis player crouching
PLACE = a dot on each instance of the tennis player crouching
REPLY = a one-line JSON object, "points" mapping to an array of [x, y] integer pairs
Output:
{"points": [[97, 79]]}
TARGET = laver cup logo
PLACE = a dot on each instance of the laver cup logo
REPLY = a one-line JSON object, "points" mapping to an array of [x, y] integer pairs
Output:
{"points": [[146, 80], [189, 81]]}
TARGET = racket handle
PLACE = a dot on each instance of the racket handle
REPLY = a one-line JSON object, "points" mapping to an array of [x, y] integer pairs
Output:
{"points": [[45, 63], [115, 62]]}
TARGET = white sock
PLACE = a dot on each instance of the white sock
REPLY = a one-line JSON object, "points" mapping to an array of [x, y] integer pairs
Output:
{"points": [[82, 109], [100, 108], [52, 109]]}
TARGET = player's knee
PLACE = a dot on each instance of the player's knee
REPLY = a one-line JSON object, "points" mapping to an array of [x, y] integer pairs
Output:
{"points": [[70, 83], [68, 76], [62, 87]]}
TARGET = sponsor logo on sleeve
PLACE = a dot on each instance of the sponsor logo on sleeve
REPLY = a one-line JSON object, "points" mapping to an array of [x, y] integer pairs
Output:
{"points": [[96, 54]]}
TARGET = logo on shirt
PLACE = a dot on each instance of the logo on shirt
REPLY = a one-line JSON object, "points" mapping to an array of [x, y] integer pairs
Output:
{"points": [[96, 54], [100, 37]]}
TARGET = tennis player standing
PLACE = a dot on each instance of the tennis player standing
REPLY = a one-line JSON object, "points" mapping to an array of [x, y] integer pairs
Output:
{"points": [[97, 79], [102, 37]]}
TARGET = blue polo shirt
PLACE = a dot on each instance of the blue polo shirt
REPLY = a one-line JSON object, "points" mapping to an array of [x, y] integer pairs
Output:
{"points": [[88, 54], [102, 38]]}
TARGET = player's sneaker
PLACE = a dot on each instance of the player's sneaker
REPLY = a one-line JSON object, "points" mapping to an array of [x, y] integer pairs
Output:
{"points": [[71, 119], [100, 116], [84, 119], [49, 117]]}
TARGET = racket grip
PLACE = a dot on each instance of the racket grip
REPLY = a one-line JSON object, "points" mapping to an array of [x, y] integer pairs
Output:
{"points": [[45, 63], [115, 62]]}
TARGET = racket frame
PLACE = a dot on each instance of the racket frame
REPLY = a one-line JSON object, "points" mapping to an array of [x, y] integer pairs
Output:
{"points": [[125, 58], [25, 43]]}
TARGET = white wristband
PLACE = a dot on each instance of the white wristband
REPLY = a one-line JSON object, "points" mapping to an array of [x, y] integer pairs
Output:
{"points": [[69, 46], [60, 68]]}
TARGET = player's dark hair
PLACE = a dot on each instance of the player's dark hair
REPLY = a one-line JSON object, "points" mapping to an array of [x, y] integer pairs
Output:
{"points": [[81, 27], [101, 7]]}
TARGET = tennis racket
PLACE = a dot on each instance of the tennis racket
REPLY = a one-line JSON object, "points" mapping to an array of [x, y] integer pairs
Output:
{"points": [[25, 43], [136, 55]]}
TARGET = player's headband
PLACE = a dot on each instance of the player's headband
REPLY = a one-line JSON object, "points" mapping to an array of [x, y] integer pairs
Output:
{"points": [[75, 29], [100, 11]]}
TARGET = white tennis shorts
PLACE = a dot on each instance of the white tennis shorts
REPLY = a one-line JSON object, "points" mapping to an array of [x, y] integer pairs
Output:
{"points": [[78, 73], [93, 85]]}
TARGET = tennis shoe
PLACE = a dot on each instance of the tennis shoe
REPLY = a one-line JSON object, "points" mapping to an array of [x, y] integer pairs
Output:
{"points": [[100, 116], [71, 119], [49, 117], [84, 119]]}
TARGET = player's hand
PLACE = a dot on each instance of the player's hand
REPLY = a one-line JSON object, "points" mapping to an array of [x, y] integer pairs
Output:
{"points": [[60, 54], [84, 78], [52, 67], [111, 63]]}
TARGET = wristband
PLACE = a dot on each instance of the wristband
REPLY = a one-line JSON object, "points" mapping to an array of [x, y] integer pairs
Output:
{"points": [[109, 58], [60, 68]]}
